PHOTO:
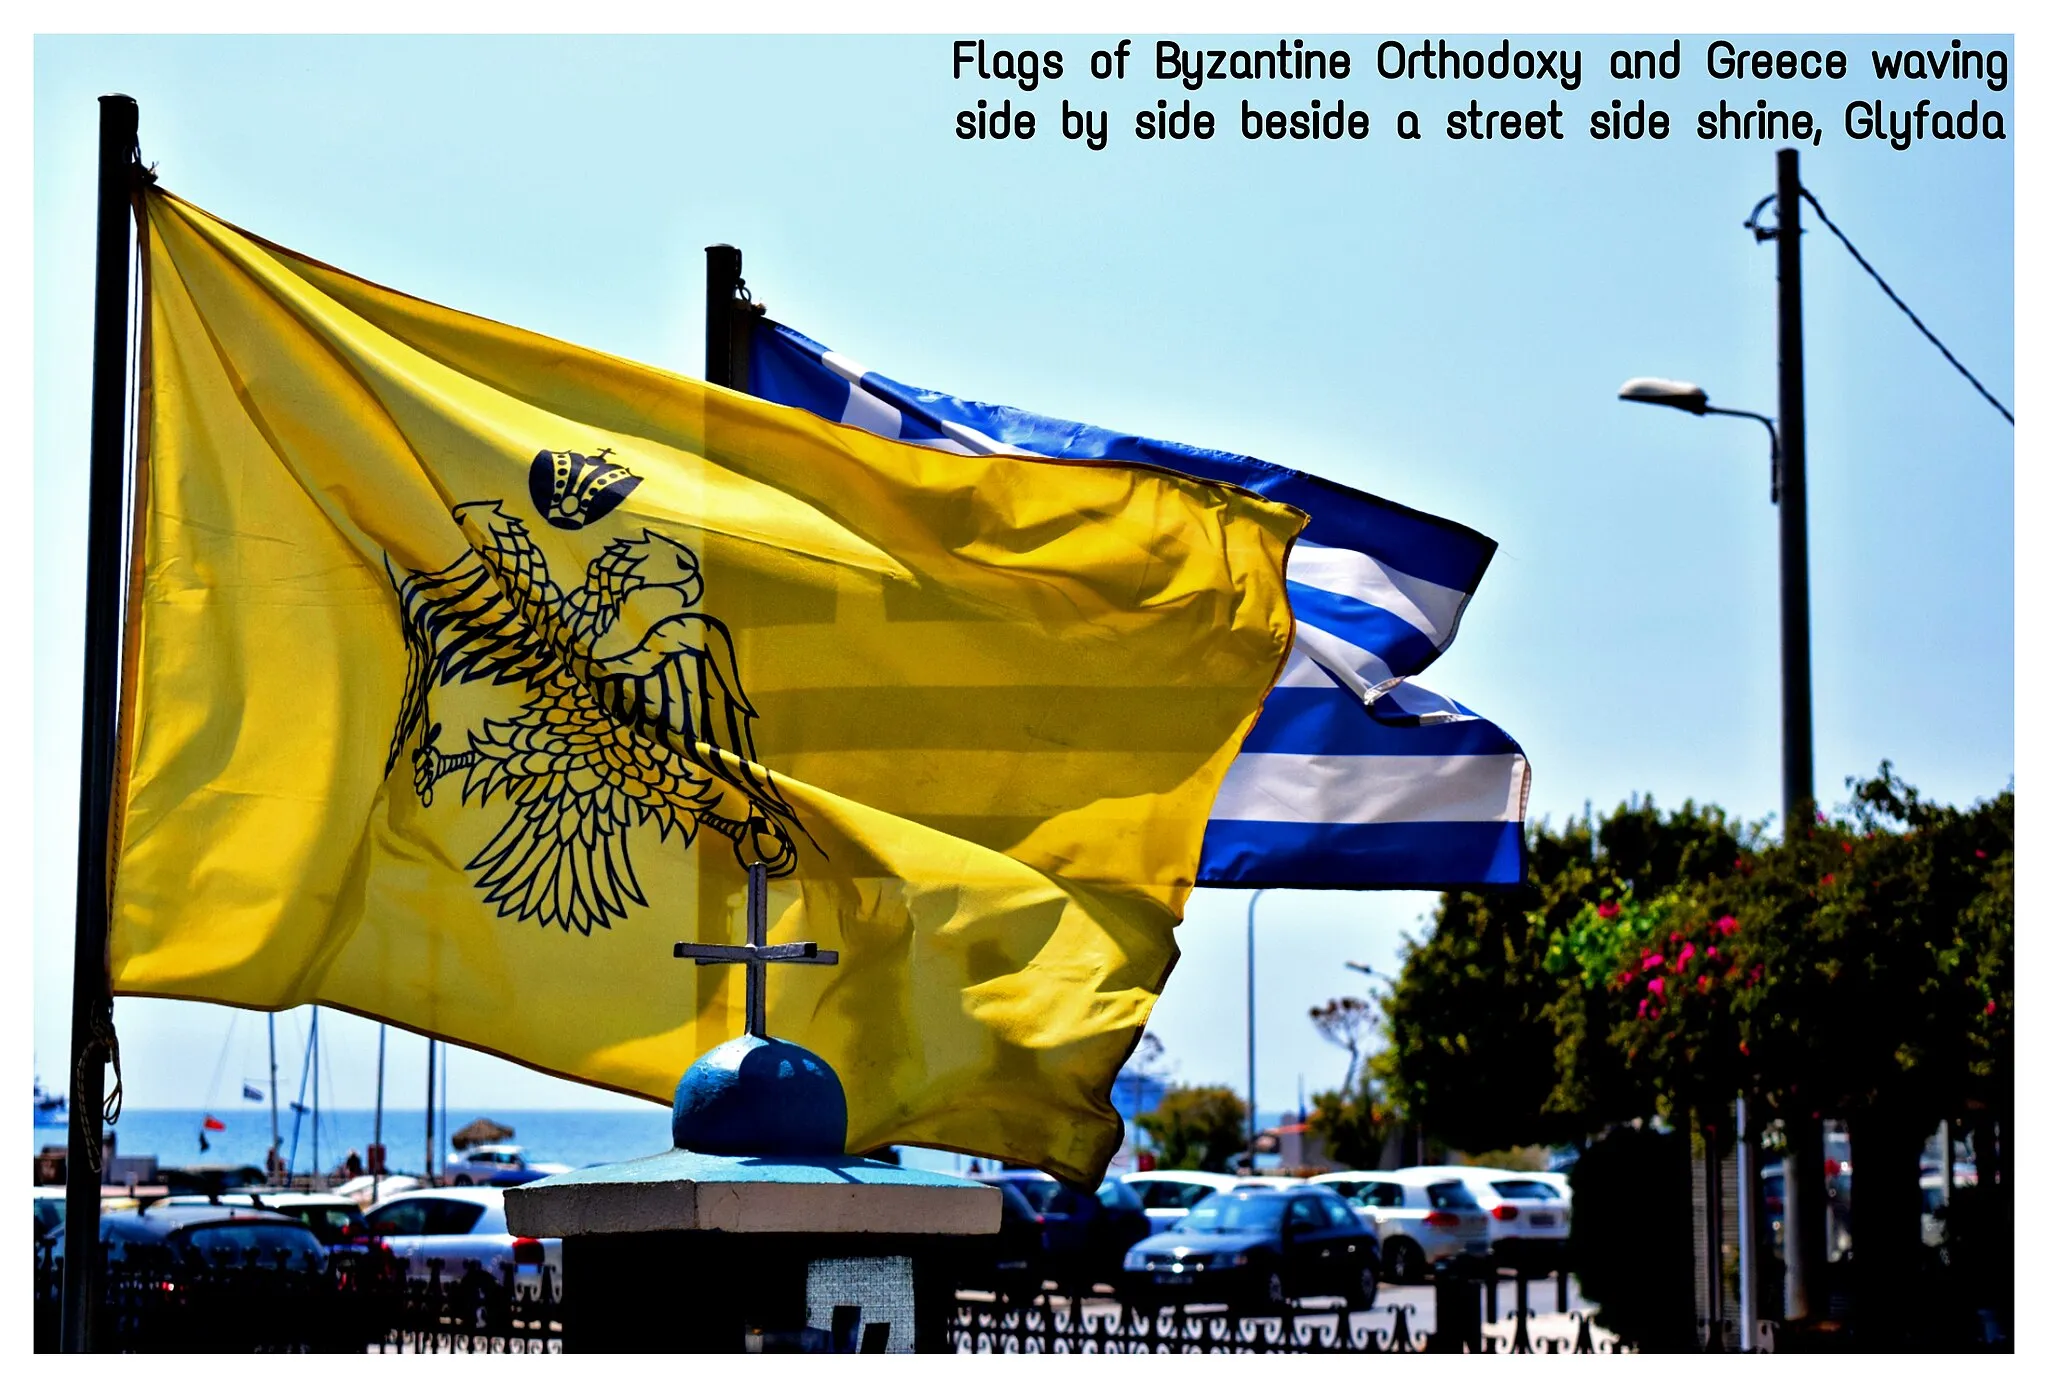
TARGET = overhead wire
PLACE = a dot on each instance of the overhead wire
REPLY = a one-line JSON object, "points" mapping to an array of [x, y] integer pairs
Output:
{"points": [[1925, 331]]}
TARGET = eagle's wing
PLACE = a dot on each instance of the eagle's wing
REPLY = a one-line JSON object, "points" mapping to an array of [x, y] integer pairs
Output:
{"points": [[681, 687], [574, 782], [460, 623]]}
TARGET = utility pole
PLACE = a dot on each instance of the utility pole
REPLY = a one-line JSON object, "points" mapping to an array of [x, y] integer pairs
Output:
{"points": [[92, 1003], [1805, 1179]]}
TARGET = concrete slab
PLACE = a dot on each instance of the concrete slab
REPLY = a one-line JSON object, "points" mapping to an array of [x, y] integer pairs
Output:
{"points": [[691, 1191]]}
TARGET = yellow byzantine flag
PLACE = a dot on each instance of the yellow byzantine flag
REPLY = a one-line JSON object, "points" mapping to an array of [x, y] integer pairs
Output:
{"points": [[466, 668]]}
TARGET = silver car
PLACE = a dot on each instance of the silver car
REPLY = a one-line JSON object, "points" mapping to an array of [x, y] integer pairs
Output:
{"points": [[458, 1226], [1531, 1211], [1422, 1218]]}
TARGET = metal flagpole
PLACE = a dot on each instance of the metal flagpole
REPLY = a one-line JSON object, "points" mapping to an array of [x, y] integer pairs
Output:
{"points": [[92, 1003], [722, 362]]}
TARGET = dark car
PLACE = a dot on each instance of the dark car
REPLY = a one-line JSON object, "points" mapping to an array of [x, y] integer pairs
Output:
{"points": [[1258, 1250], [1055, 1232], [208, 1235]]}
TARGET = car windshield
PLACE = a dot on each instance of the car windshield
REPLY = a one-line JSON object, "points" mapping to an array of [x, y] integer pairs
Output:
{"points": [[262, 1241], [1222, 1214], [1039, 1194]]}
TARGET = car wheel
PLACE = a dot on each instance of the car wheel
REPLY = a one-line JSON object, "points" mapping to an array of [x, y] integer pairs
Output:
{"points": [[462, 1180], [1269, 1297], [1364, 1288], [1404, 1262]]}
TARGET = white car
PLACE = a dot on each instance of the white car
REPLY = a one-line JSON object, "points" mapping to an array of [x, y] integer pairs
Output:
{"points": [[1531, 1211], [1422, 1219], [496, 1165], [459, 1226], [1168, 1194]]}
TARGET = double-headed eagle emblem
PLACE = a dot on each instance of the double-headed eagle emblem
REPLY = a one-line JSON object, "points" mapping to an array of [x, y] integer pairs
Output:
{"points": [[623, 722]]}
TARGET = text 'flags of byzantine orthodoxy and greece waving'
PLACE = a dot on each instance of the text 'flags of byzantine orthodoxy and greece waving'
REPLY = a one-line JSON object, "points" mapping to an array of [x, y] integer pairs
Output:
{"points": [[1353, 777], [466, 669]]}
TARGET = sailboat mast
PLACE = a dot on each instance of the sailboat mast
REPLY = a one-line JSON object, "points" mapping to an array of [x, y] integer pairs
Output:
{"points": [[272, 1162], [313, 1057], [430, 1111], [377, 1127]]}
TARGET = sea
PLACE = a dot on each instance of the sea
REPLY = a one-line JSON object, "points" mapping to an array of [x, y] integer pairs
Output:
{"points": [[570, 1137]]}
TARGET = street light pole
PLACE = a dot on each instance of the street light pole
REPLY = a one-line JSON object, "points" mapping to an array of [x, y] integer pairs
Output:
{"points": [[1251, 1038]]}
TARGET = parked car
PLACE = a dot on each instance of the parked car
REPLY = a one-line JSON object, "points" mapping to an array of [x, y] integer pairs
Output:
{"points": [[1054, 1232], [1420, 1219], [1532, 1215], [456, 1227], [49, 1210], [337, 1222], [1257, 1250], [208, 1234], [496, 1165], [1168, 1194]]}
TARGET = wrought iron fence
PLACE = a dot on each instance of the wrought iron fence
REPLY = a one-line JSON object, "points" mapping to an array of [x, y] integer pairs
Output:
{"points": [[153, 1303], [984, 1327]]}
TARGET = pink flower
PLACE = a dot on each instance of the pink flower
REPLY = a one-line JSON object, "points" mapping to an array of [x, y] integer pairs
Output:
{"points": [[1642, 1007], [1713, 952], [1828, 880], [1626, 976], [1651, 961], [1744, 1045], [1726, 924], [1848, 848], [1991, 1007], [1657, 986], [1607, 910], [1980, 853], [1703, 982], [1819, 817], [1684, 957]]}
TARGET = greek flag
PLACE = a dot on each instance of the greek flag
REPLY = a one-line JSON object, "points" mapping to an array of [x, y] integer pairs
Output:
{"points": [[1353, 776]]}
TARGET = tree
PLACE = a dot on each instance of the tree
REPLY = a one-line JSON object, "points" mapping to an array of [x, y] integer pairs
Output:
{"points": [[1345, 1022], [1196, 1127], [1353, 1127], [1495, 1038]]}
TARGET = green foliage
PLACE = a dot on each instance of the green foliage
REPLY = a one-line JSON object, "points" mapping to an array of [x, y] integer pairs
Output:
{"points": [[1865, 963], [1500, 1033], [1353, 1127], [1196, 1127]]}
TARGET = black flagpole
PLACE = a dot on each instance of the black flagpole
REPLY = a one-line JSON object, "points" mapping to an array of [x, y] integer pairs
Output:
{"points": [[92, 1006], [727, 318]]}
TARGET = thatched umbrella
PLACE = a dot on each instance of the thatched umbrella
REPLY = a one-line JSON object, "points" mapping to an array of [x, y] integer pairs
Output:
{"points": [[481, 1132]]}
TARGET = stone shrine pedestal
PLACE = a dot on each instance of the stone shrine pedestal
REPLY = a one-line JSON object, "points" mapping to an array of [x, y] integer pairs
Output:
{"points": [[691, 1252]]}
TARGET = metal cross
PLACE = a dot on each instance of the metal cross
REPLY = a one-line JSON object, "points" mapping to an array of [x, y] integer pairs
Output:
{"points": [[757, 953]]}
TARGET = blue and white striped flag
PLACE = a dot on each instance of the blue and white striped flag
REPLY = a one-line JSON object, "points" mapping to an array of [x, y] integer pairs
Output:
{"points": [[1353, 777]]}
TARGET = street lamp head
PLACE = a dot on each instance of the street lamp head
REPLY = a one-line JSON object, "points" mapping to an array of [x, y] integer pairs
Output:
{"points": [[1678, 394]]}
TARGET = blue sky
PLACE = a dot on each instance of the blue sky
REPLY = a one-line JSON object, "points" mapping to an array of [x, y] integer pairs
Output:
{"points": [[1442, 323]]}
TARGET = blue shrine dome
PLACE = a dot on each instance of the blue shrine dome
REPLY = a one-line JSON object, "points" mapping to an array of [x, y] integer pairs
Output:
{"points": [[760, 1097]]}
